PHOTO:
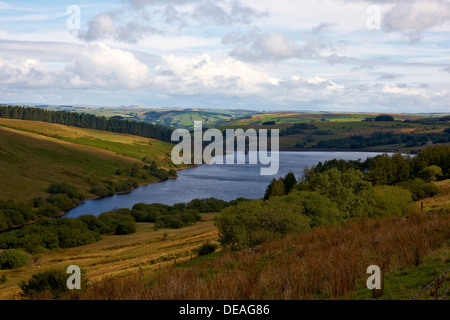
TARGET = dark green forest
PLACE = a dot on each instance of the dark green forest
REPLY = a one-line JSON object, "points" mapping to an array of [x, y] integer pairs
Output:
{"points": [[81, 120], [385, 138]]}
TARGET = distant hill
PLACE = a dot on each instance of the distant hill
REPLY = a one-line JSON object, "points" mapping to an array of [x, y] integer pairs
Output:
{"points": [[178, 118], [326, 130]]}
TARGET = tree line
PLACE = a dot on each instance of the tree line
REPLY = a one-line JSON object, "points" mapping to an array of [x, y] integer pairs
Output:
{"points": [[82, 120], [332, 192], [385, 138], [53, 233], [62, 196]]}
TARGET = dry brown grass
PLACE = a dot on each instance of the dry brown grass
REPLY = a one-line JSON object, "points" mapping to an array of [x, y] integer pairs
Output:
{"points": [[441, 200], [326, 263], [116, 256]]}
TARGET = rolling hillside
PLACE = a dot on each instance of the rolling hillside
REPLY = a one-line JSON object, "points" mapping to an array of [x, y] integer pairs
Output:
{"points": [[174, 117], [35, 154], [318, 130], [298, 117]]}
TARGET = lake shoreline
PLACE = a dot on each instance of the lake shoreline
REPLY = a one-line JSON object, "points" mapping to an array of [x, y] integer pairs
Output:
{"points": [[63, 213], [344, 150]]}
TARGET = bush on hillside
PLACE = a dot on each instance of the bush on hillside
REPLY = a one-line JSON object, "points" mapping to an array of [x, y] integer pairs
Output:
{"points": [[53, 281], [206, 248], [13, 259], [126, 227]]}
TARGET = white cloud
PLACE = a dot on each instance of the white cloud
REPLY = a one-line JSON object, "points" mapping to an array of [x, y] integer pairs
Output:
{"points": [[24, 72], [404, 90], [142, 18], [272, 46], [105, 67], [104, 26], [96, 66], [203, 74], [417, 15]]}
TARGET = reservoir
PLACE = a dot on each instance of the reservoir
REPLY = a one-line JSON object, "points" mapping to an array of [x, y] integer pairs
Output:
{"points": [[226, 182]]}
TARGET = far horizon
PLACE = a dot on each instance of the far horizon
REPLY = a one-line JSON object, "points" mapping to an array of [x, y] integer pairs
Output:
{"points": [[136, 107]]}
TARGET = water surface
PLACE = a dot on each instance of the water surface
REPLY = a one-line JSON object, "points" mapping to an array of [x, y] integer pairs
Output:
{"points": [[226, 182]]}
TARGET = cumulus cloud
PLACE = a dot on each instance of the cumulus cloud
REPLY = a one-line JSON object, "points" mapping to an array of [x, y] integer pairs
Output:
{"points": [[96, 66], [201, 74], [417, 15], [24, 72], [145, 17], [412, 16], [272, 46], [225, 14], [404, 90], [104, 26], [101, 66]]}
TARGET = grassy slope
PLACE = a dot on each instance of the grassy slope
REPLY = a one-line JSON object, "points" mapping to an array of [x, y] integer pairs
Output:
{"points": [[144, 251], [35, 154], [406, 283]]}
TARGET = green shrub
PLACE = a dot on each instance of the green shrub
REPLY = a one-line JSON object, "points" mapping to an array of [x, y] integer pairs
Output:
{"points": [[61, 200], [13, 259], [389, 201], [102, 190], [252, 222], [420, 189], [13, 214], [49, 234], [48, 210], [124, 187], [53, 281], [384, 117], [126, 227], [93, 223], [64, 187], [3, 279], [206, 248]]}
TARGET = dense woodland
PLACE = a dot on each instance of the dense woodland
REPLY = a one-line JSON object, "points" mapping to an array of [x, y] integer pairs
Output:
{"points": [[386, 138], [82, 120]]}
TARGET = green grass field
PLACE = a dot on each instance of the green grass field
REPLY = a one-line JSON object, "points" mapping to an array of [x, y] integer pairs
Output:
{"points": [[35, 154], [297, 117]]}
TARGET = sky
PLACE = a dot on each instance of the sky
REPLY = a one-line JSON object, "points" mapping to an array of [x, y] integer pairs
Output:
{"points": [[325, 55]]}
